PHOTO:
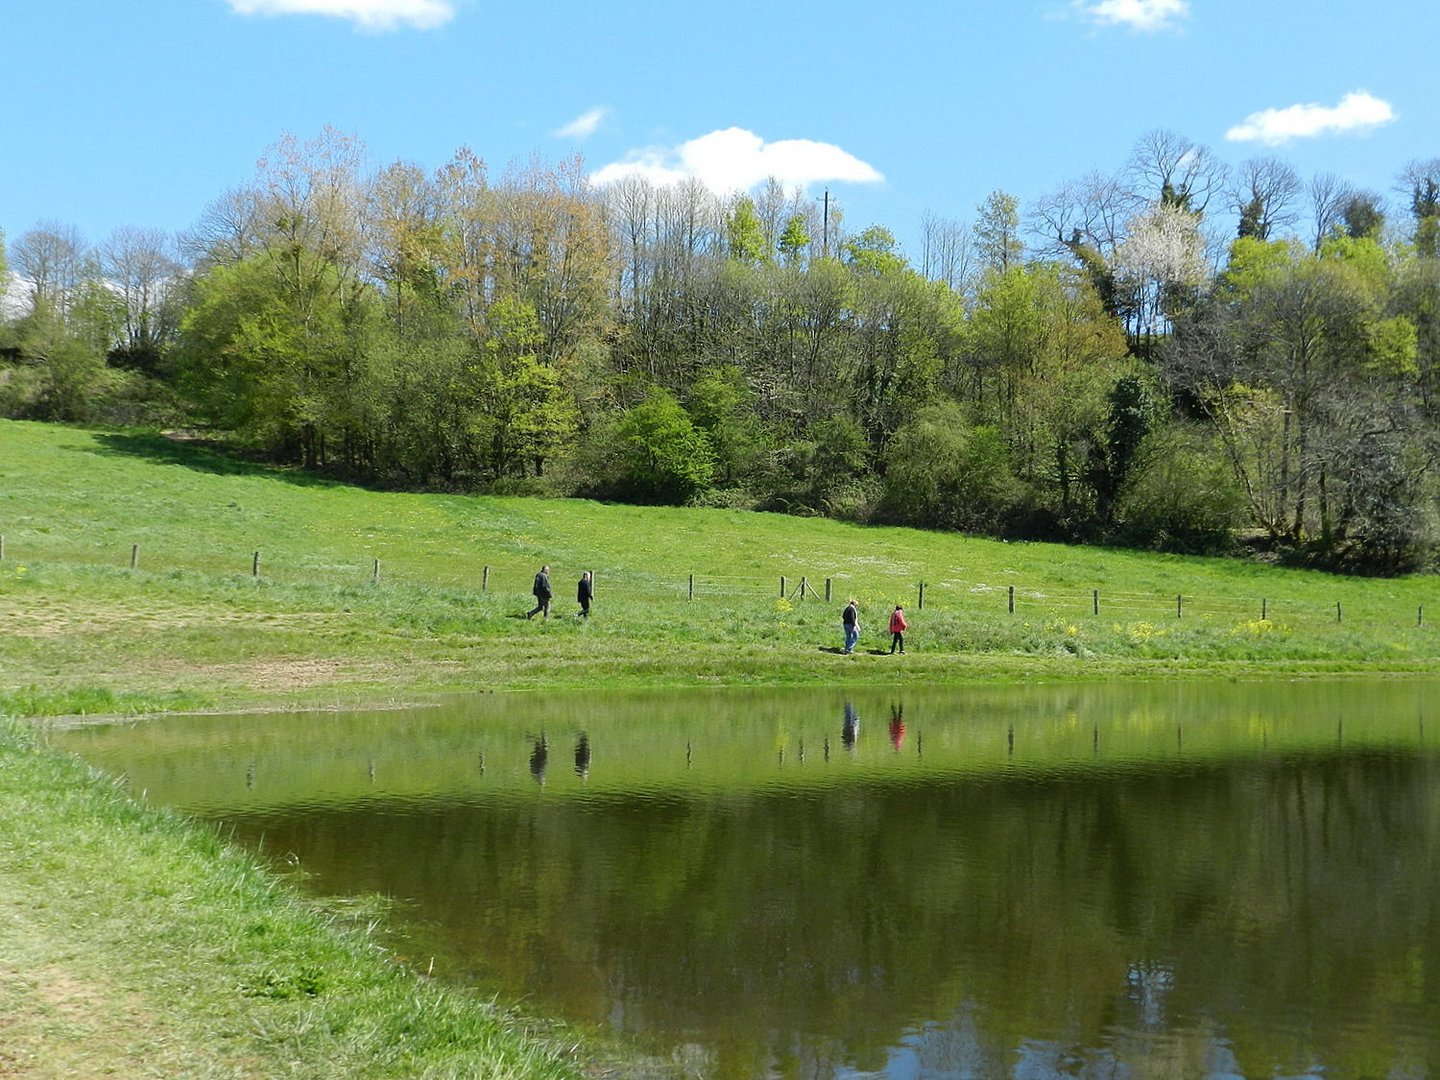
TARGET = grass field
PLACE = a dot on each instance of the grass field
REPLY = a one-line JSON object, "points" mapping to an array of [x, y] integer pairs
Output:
{"points": [[364, 595], [136, 943]]}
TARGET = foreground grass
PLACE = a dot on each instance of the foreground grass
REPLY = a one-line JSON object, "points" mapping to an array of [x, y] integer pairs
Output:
{"points": [[138, 944]]}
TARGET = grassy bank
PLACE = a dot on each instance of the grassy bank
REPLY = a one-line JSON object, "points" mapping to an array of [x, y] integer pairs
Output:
{"points": [[137, 944], [366, 595]]}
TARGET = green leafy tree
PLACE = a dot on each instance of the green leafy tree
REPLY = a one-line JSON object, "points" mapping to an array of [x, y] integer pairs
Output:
{"points": [[873, 252], [723, 406], [794, 240], [997, 232], [663, 456], [60, 375], [745, 233], [1185, 499], [1131, 415], [523, 411]]}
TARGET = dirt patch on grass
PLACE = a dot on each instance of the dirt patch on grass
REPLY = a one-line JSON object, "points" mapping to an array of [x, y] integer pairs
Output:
{"points": [[279, 676], [46, 621], [56, 1024]]}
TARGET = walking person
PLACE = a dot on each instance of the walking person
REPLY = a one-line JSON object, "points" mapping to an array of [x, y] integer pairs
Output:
{"points": [[850, 621], [541, 592], [898, 626], [584, 593]]}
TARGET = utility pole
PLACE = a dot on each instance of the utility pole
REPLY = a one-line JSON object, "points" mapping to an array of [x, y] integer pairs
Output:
{"points": [[825, 227]]}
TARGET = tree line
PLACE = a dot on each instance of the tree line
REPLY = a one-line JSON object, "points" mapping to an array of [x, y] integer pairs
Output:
{"points": [[1179, 355]]}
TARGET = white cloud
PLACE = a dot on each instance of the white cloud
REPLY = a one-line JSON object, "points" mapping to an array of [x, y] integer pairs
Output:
{"points": [[367, 14], [583, 125], [1144, 15], [734, 159], [1357, 111]]}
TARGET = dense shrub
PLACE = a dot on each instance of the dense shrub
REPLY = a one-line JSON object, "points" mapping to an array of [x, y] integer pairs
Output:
{"points": [[1181, 496]]}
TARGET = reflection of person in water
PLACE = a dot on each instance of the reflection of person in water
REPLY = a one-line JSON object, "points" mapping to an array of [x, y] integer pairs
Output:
{"points": [[582, 756], [539, 757], [851, 728], [897, 725]]}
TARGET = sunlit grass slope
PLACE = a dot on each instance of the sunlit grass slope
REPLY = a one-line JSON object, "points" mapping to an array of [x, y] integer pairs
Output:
{"points": [[368, 595]]}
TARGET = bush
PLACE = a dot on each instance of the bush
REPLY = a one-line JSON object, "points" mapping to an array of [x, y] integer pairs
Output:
{"points": [[942, 472], [1182, 495]]}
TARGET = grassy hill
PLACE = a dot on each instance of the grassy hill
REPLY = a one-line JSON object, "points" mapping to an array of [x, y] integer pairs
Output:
{"points": [[364, 595]]}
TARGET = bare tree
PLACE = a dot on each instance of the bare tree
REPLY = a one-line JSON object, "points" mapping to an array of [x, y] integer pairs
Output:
{"points": [[139, 265], [947, 252], [1092, 210], [229, 230], [1166, 167], [1328, 195], [50, 258], [1263, 195]]}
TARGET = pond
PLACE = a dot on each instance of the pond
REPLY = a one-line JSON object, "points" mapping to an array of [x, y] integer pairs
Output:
{"points": [[1189, 879]]}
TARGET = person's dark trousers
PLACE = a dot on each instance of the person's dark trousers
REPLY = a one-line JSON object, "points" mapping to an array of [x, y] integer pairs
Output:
{"points": [[897, 639]]}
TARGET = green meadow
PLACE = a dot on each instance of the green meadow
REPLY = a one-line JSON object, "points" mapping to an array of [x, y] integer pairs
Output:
{"points": [[141, 572], [144, 573]]}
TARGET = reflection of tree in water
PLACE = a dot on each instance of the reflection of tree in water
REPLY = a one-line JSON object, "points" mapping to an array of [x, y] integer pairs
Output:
{"points": [[1036, 902]]}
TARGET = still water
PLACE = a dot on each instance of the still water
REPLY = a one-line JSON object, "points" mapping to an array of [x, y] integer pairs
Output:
{"points": [[1124, 880]]}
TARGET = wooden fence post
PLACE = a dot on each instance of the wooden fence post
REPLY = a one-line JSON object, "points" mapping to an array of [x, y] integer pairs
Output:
{"points": [[782, 584], [920, 600], [375, 573], [485, 579], [134, 556], [1264, 609], [1179, 605], [1094, 601], [1420, 615], [1337, 611], [1012, 599], [692, 586], [255, 565], [827, 590]]}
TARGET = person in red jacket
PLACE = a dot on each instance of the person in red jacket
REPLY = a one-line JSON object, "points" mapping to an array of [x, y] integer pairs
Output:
{"points": [[898, 626]]}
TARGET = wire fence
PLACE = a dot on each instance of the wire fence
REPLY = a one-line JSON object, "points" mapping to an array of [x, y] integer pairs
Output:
{"points": [[512, 576]]}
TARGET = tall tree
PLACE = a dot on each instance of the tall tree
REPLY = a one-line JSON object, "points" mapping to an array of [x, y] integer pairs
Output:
{"points": [[50, 259], [140, 266], [745, 232], [1419, 181], [1263, 195], [947, 252], [1170, 168], [997, 232]]}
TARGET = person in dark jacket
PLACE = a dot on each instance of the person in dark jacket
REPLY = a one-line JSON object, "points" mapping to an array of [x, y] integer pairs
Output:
{"points": [[541, 591], [850, 621], [584, 593]]}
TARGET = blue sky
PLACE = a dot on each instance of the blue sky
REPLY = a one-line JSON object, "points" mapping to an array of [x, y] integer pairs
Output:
{"points": [[140, 112]]}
